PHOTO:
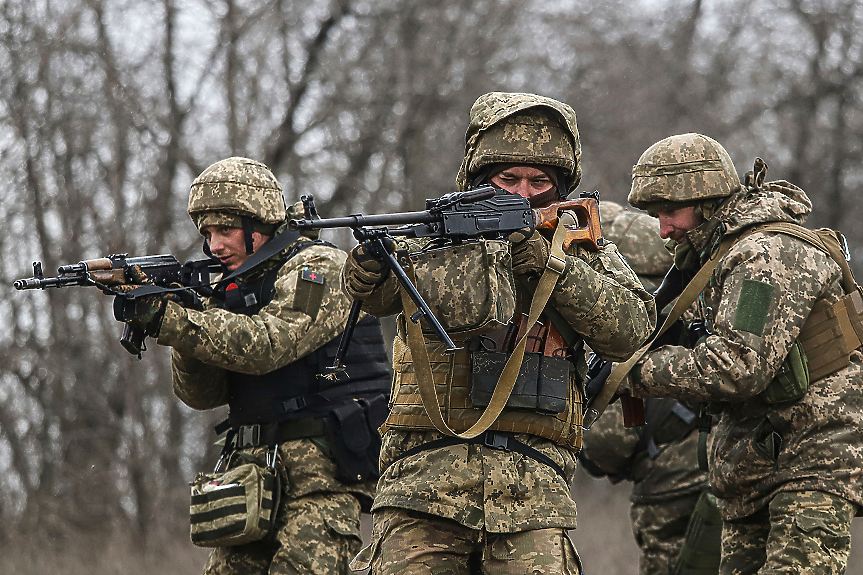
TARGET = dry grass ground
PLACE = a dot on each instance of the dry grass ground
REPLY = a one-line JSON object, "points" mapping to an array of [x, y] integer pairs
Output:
{"points": [[603, 539]]}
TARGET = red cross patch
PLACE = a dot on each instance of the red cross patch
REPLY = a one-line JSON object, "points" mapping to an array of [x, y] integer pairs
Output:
{"points": [[312, 276]]}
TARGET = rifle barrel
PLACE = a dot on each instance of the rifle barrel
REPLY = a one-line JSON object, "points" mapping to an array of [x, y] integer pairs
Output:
{"points": [[359, 221]]}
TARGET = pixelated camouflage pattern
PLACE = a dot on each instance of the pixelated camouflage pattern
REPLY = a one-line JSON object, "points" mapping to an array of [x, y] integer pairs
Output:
{"points": [[800, 532], [659, 530], [406, 544], [478, 487], [317, 525], [636, 236], [822, 433], [535, 137], [603, 301], [682, 168], [240, 186], [274, 337]]}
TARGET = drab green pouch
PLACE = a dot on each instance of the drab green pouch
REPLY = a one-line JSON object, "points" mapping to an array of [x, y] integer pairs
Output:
{"points": [[541, 385], [234, 507], [792, 379]]}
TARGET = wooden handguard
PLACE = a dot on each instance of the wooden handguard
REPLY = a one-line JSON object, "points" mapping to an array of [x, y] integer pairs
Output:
{"points": [[586, 210], [633, 410]]}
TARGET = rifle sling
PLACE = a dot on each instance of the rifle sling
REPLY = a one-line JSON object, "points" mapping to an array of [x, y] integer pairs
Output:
{"points": [[690, 293], [697, 284], [506, 383], [268, 250]]}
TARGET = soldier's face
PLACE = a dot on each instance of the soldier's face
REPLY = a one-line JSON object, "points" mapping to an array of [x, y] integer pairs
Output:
{"points": [[675, 223], [526, 181], [229, 244]]}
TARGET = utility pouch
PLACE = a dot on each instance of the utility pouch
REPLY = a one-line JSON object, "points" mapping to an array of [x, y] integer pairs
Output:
{"points": [[701, 549], [792, 379], [541, 385], [234, 507], [469, 286], [352, 434]]}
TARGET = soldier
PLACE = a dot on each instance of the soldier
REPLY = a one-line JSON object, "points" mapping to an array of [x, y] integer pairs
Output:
{"points": [[498, 502], [257, 346], [787, 450], [660, 458]]}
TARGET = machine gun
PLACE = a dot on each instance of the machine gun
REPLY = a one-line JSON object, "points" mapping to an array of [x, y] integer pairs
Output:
{"points": [[485, 212], [113, 272]]}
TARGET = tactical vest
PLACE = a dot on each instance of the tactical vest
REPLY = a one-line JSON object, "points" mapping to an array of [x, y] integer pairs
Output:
{"points": [[295, 390], [452, 379]]}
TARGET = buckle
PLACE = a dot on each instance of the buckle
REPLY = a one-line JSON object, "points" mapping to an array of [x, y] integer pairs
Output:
{"points": [[496, 440], [555, 264], [248, 436]]}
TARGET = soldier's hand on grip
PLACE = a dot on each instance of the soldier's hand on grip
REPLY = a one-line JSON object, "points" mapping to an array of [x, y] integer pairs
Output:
{"points": [[364, 271], [529, 255]]}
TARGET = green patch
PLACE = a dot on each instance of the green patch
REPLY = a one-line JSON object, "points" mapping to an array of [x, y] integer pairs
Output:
{"points": [[309, 292], [752, 307]]}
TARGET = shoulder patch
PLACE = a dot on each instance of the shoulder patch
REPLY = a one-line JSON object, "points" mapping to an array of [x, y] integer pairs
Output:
{"points": [[309, 293], [311, 276], [752, 307]]}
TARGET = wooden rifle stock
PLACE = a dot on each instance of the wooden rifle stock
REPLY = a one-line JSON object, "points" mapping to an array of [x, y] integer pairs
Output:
{"points": [[588, 233]]}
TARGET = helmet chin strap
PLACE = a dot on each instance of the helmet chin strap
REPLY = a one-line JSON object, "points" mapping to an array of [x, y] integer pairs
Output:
{"points": [[247, 234]]}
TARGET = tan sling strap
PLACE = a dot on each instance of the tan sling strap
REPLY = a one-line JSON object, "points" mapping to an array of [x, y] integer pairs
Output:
{"points": [[690, 293], [826, 324], [553, 269]]}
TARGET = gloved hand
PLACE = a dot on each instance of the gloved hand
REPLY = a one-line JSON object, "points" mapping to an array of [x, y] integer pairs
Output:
{"points": [[363, 272], [143, 312], [146, 312], [529, 255]]}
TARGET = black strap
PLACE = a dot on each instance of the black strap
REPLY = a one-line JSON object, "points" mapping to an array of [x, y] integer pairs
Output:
{"points": [[491, 439], [268, 250]]}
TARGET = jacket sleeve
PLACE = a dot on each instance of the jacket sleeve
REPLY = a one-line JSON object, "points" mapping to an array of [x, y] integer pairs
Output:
{"points": [[762, 292], [602, 299], [286, 329]]}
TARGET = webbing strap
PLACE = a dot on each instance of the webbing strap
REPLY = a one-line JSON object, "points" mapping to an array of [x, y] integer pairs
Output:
{"points": [[690, 293], [506, 383]]}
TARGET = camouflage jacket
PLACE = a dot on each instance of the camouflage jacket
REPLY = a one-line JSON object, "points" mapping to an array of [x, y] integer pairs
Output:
{"points": [[601, 298], [612, 448], [209, 342], [758, 298]]}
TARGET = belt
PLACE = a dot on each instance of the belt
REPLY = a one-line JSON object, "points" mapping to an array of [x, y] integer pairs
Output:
{"points": [[492, 440], [257, 434]]}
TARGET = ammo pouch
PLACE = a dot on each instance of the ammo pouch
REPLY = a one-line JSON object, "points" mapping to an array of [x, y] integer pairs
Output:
{"points": [[541, 385], [352, 434], [792, 379], [234, 507], [469, 287], [701, 549]]}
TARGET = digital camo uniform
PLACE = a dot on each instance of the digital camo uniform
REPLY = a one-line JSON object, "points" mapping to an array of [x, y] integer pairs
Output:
{"points": [[459, 506], [217, 354], [788, 474], [660, 460]]}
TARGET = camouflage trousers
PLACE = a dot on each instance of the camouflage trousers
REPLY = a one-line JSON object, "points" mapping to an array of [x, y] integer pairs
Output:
{"points": [[410, 543], [317, 534], [798, 532], [659, 530]]}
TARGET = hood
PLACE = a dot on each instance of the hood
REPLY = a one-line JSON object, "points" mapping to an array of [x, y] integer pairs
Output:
{"points": [[493, 107]]}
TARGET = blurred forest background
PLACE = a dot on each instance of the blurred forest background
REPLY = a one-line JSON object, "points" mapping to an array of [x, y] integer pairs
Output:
{"points": [[109, 109]]}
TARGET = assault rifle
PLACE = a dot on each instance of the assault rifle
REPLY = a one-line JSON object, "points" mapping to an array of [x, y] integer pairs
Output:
{"points": [[485, 212], [112, 272]]}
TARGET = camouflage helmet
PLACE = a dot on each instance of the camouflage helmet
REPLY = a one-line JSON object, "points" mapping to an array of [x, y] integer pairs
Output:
{"points": [[683, 168], [514, 128], [239, 187]]}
